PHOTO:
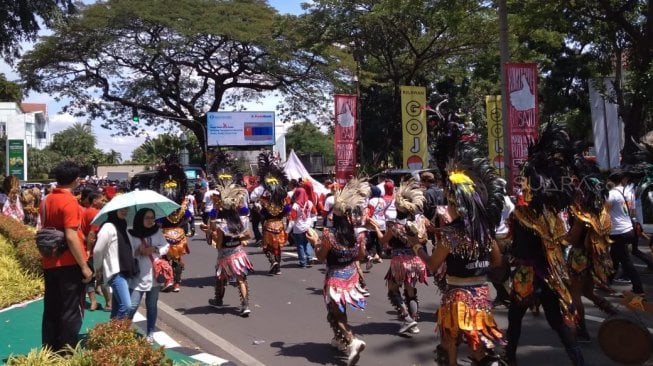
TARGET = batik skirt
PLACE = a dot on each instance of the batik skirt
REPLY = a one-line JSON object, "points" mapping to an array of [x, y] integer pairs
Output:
{"points": [[341, 287], [406, 267], [232, 262], [274, 236], [467, 311]]}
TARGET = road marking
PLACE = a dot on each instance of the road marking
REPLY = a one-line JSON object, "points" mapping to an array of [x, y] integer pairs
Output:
{"points": [[210, 359], [240, 355], [163, 339]]}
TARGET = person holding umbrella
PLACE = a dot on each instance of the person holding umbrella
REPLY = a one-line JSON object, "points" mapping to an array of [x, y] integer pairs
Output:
{"points": [[149, 245], [114, 257]]}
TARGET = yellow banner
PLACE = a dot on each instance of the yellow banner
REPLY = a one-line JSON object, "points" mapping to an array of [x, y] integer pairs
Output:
{"points": [[495, 132], [413, 122]]}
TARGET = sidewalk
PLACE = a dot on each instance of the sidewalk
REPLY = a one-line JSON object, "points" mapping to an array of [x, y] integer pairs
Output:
{"points": [[20, 331]]}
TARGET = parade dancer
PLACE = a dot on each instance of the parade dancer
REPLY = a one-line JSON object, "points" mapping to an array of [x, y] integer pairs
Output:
{"points": [[406, 268], [467, 248], [589, 259], [539, 235], [274, 209], [229, 234], [171, 182], [341, 247]]}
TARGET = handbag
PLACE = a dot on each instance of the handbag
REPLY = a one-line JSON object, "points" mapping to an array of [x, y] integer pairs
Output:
{"points": [[162, 270], [50, 242]]}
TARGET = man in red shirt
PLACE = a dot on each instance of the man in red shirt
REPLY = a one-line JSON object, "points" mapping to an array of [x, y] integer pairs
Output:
{"points": [[65, 275]]}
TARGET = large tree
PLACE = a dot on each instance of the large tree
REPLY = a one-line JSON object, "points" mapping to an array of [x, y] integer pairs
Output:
{"points": [[398, 43], [153, 150], [306, 138], [173, 61], [21, 20]]}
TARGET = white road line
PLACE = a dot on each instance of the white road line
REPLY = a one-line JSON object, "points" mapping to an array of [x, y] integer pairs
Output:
{"points": [[163, 339], [209, 359]]}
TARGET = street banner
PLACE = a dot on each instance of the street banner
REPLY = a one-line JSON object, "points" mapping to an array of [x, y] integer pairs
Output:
{"points": [[523, 116], [345, 139], [16, 158], [607, 129], [495, 133], [413, 122]]}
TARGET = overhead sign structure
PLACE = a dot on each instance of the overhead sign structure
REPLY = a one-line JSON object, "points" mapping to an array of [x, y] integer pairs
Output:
{"points": [[240, 128], [413, 117]]}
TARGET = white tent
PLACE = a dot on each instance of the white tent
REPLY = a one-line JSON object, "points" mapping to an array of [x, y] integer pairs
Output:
{"points": [[294, 169]]}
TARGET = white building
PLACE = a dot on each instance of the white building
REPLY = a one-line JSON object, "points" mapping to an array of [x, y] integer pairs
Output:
{"points": [[27, 121], [25, 125]]}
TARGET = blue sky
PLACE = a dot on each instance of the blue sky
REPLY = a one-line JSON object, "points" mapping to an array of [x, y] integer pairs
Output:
{"points": [[124, 144]]}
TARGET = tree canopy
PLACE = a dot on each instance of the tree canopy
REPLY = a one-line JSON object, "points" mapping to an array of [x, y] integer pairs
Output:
{"points": [[172, 61], [306, 138]]}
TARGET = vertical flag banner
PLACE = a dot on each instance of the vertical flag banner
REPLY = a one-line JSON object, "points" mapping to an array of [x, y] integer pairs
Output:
{"points": [[413, 122], [345, 139], [607, 129], [523, 115], [495, 133], [16, 158]]}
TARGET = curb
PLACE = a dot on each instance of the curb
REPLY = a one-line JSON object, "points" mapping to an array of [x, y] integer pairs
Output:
{"points": [[204, 338]]}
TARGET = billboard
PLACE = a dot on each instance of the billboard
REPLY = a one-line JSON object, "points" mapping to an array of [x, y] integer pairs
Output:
{"points": [[413, 117], [345, 137], [240, 128], [16, 158]]}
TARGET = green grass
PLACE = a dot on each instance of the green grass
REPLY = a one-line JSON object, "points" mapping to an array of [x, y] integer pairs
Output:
{"points": [[16, 285]]}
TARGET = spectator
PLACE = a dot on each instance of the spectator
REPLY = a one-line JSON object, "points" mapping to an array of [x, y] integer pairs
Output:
{"points": [[13, 207], [114, 256], [622, 232], [191, 206], [207, 200], [149, 245], [300, 221], [65, 275], [92, 202]]}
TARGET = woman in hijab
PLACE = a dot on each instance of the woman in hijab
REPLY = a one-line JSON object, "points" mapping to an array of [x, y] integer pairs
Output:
{"points": [[149, 245], [299, 223], [113, 255]]}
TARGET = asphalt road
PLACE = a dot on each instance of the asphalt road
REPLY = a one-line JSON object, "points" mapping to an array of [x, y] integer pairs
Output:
{"points": [[288, 325]]}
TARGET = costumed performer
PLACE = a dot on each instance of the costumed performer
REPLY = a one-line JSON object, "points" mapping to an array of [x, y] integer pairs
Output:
{"points": [[229, 233], [274, 209], [467, 246], [341, 247], [406, 267], [171, 182], [539, 240], [589, 258]]}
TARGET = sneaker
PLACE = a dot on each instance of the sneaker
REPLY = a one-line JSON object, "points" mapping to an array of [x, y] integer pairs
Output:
{"points": [[149, 339], [274, 267], [216, 303], [406, 326], [176, 288], [244, 311], [377, 259], [414, 330], [622, 281], [167, 287], [338, 345], [354, 350]]}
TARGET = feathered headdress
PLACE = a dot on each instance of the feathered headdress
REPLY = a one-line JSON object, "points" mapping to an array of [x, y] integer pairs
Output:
{"points": [[473, 186], [273, 178], [170, 179], [352, 195], [231, 196], [410, 197], [591, 190], [224, 168], [547, 171]]}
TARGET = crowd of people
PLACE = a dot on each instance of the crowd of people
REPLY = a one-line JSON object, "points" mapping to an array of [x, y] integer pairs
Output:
{"points": [[566, 235]]}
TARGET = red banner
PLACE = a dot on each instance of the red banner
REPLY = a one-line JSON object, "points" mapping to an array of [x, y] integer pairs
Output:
{"points": [[345, 139], [523, 115]]}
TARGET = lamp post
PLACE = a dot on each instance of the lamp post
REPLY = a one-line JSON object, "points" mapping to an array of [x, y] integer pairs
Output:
{"points": [[183, 155]]}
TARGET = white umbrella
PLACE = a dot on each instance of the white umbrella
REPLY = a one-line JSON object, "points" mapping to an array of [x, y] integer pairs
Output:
{"points": [[134, 201]]}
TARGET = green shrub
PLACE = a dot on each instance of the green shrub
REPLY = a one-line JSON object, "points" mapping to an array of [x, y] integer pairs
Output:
{"points": [[29, 257]]}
